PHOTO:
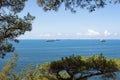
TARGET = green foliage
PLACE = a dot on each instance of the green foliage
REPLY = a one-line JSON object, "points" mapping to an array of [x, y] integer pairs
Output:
{"points": [[68, 68], [29, 73], [35, 73], [117, 61], [8, 68], [11, 25], [72, 5], [85, 67], [101, 63]]}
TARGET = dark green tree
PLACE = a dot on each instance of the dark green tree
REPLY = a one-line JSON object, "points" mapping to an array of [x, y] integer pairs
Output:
{"points": [[74, 5], [11, 25]]}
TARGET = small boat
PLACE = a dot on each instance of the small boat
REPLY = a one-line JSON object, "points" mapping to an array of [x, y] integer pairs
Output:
{"points": [[50, 40], [102, 40]]}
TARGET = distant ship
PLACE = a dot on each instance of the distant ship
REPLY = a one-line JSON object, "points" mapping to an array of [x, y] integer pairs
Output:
{"points": [[102, 40], [52, 40]]}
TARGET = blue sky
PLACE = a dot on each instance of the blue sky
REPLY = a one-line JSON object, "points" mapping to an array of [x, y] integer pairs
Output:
{"points": [[101, 24]]}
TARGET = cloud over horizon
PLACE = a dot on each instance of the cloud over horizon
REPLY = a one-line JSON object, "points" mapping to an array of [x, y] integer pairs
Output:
{"points": [[107, 33], [90, 33]]}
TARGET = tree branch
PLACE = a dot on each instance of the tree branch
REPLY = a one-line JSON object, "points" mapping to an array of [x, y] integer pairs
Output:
{"points": [[90, 75]]}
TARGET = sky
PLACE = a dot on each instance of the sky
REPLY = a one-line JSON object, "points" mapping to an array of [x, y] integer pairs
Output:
{"points": [[103, 23]]}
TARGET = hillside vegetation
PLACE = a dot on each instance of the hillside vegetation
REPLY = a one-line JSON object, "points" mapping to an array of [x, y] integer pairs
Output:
{"points": [[68, 68]]}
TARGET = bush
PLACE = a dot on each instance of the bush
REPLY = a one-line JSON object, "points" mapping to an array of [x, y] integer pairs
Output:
{"points": [[68, 68]]}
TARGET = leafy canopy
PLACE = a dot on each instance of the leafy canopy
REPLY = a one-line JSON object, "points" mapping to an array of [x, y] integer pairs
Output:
{"points": [[72, 5], [11, 25]]}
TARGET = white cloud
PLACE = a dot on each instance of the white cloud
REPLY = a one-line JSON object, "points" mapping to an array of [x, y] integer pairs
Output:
{"points": [[92, 32], [107, 33], [79, 35]]}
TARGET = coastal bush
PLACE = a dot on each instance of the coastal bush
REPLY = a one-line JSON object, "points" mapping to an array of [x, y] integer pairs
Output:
{"points": [[68, 68], [82, 68], [38, 72]]}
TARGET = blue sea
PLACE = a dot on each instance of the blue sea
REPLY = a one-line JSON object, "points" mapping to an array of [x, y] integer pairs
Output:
{"points": [[40, 51]]}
